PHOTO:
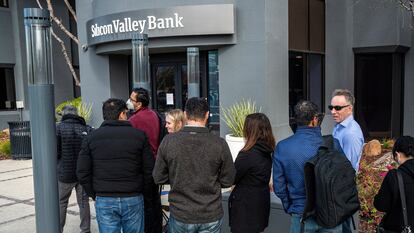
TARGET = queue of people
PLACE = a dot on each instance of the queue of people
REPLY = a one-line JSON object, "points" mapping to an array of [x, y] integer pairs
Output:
{"points": [[121, 164]]}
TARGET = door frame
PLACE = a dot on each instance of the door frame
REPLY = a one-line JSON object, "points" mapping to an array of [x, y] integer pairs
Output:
{"points": [[398, 67]]}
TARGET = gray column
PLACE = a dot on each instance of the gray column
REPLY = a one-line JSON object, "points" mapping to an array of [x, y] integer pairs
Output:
{"points": [[140, 61], [193, 72], [42, 118]]}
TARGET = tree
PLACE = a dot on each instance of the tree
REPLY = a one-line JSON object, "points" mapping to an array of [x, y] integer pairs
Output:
{"points": [[408, 5], [62, 27]]}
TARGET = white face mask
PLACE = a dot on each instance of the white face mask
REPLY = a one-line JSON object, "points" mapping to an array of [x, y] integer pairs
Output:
{"points": [[130, 105]]}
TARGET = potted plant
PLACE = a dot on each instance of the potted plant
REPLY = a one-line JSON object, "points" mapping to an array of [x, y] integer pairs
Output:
{"points": [[84, 109], [234, 117]]}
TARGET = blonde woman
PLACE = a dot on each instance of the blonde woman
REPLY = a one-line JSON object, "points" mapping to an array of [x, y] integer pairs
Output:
{"points": [[174, 120]]}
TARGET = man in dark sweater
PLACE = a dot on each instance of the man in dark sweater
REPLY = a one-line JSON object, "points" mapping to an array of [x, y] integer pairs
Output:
{"points": [[197, 165], [70, 132], [115, 166]]}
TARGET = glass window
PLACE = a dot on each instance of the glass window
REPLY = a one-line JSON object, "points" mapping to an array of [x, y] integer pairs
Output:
{"points": [[7, 89], [213, 88], [4, 3], [306, 80]]}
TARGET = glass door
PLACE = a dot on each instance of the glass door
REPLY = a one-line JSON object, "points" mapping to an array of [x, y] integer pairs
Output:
{"points": [[170, 85]]}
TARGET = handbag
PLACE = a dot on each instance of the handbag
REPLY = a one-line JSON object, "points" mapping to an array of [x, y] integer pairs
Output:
{"points": [[406, 228]]}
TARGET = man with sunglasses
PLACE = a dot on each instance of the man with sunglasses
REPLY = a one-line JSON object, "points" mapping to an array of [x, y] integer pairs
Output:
{"points": [[347, 131]]}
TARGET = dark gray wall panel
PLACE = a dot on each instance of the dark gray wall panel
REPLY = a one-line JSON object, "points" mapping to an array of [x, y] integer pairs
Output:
{"points": [[7, 55]]}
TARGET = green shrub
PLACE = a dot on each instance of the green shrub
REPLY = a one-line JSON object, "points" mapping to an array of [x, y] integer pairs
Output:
{"points": [[84, 109], [235, 115], [5, 148], [387, 143]]}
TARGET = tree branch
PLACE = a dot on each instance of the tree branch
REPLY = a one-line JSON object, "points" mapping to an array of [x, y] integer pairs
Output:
{"points": [[67, 58], [71, 10], [59, 23]]}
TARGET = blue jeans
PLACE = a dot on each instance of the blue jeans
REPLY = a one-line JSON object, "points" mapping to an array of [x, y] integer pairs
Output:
{"points": [[311, 226], [175, 226], [346, 225], [116, 213]]}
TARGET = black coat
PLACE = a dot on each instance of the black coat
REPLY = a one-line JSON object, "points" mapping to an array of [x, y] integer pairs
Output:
{"points": [[388, 198], [115, 161], [249, 202], [69, 135]]}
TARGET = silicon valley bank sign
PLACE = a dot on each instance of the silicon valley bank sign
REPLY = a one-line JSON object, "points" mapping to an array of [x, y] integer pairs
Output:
{"points": [[167, 22]]}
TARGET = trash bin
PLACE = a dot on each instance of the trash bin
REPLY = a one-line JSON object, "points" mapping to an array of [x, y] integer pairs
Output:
{"points": [[20, 139]]}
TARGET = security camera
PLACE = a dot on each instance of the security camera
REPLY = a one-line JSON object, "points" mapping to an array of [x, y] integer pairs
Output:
{"points": [[85, 47]]}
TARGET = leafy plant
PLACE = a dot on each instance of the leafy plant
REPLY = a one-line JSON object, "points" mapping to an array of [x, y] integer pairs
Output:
{"points": [[369, 182], [84, 109], [5, 148], [235, 115], [387, 143]]}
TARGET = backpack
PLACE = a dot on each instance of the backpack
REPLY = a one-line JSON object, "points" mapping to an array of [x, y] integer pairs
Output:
{"points": [[330, 184]]}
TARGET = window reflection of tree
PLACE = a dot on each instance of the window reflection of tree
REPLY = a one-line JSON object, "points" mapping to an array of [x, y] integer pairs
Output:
{"points": [[165, 84]]}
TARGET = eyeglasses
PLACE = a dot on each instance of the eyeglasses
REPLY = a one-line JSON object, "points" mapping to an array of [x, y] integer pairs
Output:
{"points": [[337, 107], [133, 100]]}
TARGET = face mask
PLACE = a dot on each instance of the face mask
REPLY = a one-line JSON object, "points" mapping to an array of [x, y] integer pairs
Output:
{"points": [[130, 105]]}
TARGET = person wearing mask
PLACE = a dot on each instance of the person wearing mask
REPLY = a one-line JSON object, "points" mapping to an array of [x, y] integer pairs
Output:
{"points": [[249, 202], [174, 120], [148, 120], [388, 197]]}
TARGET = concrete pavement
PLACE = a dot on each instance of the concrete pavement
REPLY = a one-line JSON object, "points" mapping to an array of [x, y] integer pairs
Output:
{"points": [[17, 211]]}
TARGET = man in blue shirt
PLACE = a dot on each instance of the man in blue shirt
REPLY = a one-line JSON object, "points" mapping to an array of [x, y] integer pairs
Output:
{"points": [[289, 159], [347, 131]]}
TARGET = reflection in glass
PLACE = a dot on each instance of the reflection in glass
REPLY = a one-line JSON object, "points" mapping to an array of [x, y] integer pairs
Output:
{"points": [[165, 83], [213, 87]]}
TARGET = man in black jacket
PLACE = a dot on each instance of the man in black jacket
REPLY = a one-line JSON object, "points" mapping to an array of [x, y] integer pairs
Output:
{"points": [[70, 132], [114, 167]]}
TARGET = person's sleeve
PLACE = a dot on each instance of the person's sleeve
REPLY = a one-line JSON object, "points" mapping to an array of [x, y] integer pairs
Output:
{"points": [[227, 170], [84, 169], [352, 147], [242, 166], [279, 181], [58, 142], [160, 173], [384, 198], [148, 166]]}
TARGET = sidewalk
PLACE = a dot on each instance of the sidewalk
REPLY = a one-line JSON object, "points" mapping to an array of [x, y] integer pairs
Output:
{"points": [[17, 211]]}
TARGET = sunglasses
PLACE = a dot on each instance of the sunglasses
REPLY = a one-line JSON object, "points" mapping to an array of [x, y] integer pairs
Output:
{"points": [[337, 107]]}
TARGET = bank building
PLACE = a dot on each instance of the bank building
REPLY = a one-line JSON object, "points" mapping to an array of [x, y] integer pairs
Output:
{"points": [[274, 52]]}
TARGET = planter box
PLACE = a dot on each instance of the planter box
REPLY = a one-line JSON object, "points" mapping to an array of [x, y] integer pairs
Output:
{"points": [[235, 144]]}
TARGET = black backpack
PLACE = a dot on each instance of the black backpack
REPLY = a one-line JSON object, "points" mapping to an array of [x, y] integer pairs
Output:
{"points": [[330, 183]]}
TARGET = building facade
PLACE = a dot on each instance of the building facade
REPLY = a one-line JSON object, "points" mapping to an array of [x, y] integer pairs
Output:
{"points": [[274, 52]]}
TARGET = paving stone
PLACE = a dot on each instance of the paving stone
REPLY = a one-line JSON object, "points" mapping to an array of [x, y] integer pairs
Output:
{"points": [[5, 201], [15, 212]]}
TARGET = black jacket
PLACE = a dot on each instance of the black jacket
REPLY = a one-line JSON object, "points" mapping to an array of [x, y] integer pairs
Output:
{"points": [[249, 202], [69, 135], [115, 161], [388, 198]]}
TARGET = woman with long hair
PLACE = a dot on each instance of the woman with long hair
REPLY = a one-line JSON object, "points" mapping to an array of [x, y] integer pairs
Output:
{"points": [[249, 202], [388, 199], [174, 120]]}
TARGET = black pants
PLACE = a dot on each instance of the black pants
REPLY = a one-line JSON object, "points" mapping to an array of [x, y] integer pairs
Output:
{"points": [[153, 212]]}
